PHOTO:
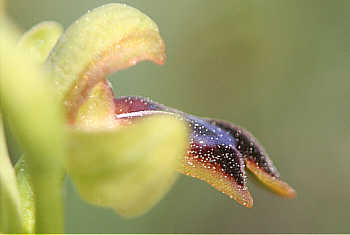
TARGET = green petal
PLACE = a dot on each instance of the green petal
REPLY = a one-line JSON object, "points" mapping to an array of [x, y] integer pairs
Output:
{"points": [[107, 39], [10, 203], [129, 169], [39, 41]]}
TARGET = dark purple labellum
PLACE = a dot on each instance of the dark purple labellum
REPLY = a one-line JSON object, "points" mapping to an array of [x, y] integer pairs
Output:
{"points": [[219, 151]]}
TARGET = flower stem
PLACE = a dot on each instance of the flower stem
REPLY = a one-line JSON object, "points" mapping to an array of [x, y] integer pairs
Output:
{"points": [[48, 185]]}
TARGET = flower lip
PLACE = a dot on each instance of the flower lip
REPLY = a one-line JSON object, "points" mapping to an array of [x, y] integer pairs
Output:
{"points": [[219, 151]]}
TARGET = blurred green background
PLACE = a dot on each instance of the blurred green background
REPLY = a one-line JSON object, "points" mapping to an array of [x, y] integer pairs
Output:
{"points": [[281, 69]]}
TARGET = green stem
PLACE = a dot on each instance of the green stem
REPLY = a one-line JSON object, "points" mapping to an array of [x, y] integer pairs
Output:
{"points": [[48, 189]]}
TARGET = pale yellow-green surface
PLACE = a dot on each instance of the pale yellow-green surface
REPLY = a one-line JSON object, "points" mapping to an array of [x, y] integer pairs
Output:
{"points": [[278, 68], [131, 169], [35, 117], [99, 110], [38, 42], [10, 210], [26, 190], [106, 39]]}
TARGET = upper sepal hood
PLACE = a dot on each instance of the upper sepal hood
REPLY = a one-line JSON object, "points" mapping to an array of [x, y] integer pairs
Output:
{"points": [[107, 39]]}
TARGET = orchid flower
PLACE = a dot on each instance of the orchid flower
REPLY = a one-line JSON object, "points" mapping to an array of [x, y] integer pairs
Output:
{"points": [[120, 152]]}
